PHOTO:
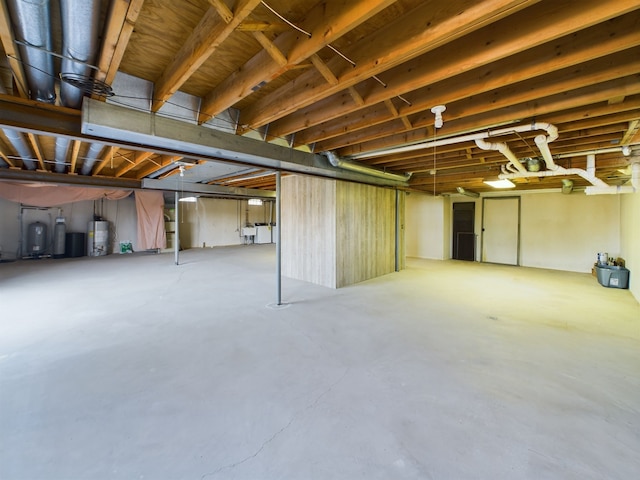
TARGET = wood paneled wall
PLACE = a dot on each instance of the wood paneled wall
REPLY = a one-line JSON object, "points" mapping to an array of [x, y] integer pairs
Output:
{"points": [[337, 233], [309, 229]]}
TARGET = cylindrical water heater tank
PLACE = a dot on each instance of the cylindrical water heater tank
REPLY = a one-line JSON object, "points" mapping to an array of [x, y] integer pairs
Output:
{"points": [[59, 232], [36, 239], [97, 238]]}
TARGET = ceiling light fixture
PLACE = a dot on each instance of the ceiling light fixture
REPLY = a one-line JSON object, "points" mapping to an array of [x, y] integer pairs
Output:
{"points": [[437, 111], [505, 183], [255, 201], [468, 193], [188, 199]]}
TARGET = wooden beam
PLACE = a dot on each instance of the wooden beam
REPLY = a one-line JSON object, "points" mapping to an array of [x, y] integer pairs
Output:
{"points": [[35, 145], [74, 155], [106, 157], [590, 73], [398, 42], [469, 54], [11, 52], [357, 98], [225, 12], [121, 20], [155, 166], [7, 160], [632, 131], [592, 95], [270, 48], [327, 21], [203, 41], [323, 69], [249, 26], [137, 160]]}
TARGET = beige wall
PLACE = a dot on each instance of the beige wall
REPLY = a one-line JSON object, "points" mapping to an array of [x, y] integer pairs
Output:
{"points": [[121, 215], [337, 233], [212, 222], [565, 232], [427, 231], [630, 239]]}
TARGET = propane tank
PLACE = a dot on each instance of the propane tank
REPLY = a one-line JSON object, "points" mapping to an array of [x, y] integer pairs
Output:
{"points": [[59, 232]]}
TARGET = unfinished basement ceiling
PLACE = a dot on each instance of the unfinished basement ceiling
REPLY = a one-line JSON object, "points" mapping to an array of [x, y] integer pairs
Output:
{"points": [[356, 78]]}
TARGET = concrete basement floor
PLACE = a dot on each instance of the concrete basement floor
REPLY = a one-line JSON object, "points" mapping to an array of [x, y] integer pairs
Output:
{"points": [[128, 367]]}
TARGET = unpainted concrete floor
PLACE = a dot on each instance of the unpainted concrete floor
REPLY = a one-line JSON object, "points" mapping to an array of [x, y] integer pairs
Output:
{"points": [[129, 367]]}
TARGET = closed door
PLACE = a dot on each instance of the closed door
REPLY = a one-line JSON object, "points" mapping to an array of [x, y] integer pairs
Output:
{"points": [[464, 238], [501, 230]]}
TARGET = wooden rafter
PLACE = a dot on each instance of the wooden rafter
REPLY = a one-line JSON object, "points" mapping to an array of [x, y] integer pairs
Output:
{"points": [[406, 38], [225, 12], [202, 42], [106, 157], [576, 49], [137, 160], [591, 95], [338, 18], [12, 53], [35, 145], [323, 69], [164, 161], [561, 82], [7, 160], [121, 20], [74, 156], [270, 48]]}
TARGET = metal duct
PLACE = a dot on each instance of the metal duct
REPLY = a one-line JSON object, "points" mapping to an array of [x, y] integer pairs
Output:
{"points": [[17, 141], [360, 168], [80, 20], [20, 145], [90, 159], [62, 146], [32, 29]]}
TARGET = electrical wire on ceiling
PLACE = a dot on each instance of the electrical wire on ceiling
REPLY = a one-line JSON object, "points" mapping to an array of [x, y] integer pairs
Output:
{"points": [[331, 47]]}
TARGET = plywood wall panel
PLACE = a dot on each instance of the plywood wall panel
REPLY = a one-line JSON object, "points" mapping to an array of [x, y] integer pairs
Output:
{"points": [[365, 232], [309, 229]]}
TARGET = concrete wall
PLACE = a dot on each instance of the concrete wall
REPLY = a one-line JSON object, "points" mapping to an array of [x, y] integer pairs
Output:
{"points": [[630, 239], [120, 213], [563, 232]]}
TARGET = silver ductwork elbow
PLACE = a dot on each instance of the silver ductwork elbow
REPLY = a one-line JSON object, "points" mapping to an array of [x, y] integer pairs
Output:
{"points": [[337, 162]]}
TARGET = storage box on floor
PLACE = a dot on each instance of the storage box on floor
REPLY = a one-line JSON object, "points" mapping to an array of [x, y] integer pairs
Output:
{"points": [[612, 276]]}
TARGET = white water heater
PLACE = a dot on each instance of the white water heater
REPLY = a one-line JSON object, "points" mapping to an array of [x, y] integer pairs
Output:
{"points": [[36, 239], [97, 238]]}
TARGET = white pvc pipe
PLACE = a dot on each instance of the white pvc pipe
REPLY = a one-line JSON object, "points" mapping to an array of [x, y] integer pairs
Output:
{"points": [[549, 128], [503, 148], [543, 145], [560, 171], [591, 164]]}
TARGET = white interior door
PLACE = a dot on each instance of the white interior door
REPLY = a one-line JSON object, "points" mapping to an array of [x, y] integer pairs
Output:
{"points": [[501, 230]]}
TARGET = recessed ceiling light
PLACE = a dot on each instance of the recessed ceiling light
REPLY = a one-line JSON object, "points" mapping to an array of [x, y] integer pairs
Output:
{"points": [[504, 183]]}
